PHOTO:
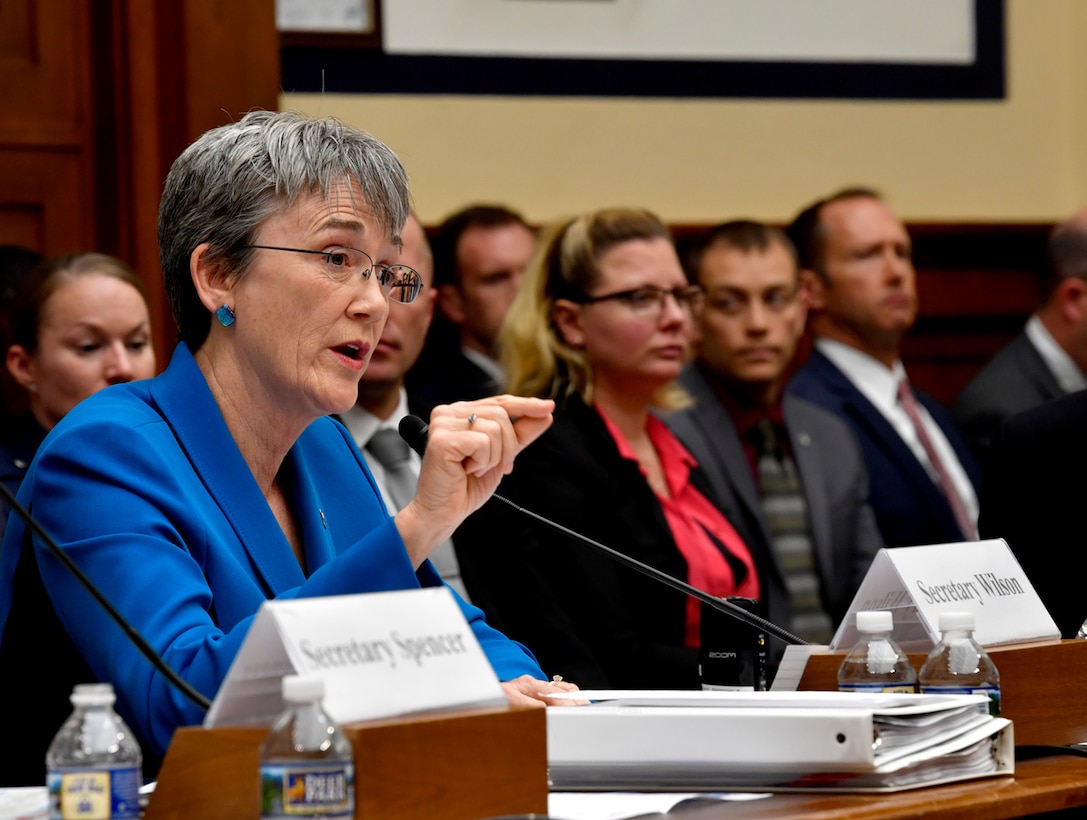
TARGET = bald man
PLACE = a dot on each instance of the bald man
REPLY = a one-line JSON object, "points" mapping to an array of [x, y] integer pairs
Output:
{"points": [[1049, 358]]}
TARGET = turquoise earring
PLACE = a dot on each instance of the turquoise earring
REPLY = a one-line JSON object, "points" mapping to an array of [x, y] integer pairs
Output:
{"points": [[225, 315]]}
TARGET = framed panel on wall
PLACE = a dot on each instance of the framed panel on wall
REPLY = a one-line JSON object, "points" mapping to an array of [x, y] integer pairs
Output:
{"points": [[807, 49], [324, 23]]}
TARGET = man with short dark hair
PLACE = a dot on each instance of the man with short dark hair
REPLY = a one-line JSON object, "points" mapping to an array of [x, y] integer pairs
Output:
{"points": [[480, 254], [856, 261], [787, 474], [1049, 358]]}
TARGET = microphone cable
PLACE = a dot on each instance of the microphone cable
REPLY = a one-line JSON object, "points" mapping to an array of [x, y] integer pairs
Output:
{"points": [[415, 431], [135, 637]]}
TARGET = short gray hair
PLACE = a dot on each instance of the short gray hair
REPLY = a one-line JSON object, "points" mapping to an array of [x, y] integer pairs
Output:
{"points": [[232, 179]]}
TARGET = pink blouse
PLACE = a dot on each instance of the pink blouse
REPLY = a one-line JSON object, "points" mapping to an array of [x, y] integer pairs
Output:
{"points": [[701, 531]]}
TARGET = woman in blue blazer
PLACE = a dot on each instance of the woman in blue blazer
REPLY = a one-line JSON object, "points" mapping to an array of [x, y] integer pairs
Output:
{"points": [[193, 497]]}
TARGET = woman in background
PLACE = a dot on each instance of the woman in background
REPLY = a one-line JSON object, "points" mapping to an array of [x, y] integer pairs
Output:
{"points": [[16, 263], [603, 324], [78, 323]]}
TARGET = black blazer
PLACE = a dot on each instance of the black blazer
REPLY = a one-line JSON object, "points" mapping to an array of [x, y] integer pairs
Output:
{"points": [[585, 617], [845, 538], [1032, 496], [1015, 379], [443, 377]]}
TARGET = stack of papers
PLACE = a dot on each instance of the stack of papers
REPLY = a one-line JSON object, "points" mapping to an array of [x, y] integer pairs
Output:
{"points": [[811, 741], [24, 803]]}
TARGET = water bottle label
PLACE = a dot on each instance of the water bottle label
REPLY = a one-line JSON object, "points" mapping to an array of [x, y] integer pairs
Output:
{"points": [[94, 794], [307, 789], [991, 692], [908, 688]]}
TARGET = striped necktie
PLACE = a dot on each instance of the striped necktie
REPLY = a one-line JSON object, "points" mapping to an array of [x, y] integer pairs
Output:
{"points": [[785, 511], [401, 481], [393, 454]]}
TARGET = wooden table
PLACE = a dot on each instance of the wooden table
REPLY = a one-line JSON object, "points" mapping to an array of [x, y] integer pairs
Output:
{"points": [[1042, 687], [1041, 785], [1044, 694]]}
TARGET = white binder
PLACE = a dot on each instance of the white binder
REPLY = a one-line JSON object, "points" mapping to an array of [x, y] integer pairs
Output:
{"points": [[767, 741]]}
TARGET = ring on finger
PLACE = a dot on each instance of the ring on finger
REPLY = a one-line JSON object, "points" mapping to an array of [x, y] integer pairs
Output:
{"points": [[471, 419]]}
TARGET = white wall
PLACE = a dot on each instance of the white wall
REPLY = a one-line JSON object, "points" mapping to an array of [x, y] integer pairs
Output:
{"points": [[1020, 159]]}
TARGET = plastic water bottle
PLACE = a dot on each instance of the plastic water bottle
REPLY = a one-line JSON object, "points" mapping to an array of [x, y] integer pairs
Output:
{"points": [[876, 663], [958, 664], [93, 765], [306, 762]]}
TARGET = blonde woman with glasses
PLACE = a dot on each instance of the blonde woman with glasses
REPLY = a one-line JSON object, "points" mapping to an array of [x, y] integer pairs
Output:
{"points": [[602, 325]]}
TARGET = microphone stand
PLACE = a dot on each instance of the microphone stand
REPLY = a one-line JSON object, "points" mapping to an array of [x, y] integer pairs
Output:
{"points": [[720, 604], [135, 637], [414, 431]]}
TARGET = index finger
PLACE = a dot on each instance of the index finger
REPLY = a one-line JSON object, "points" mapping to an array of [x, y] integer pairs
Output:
{"points": [[527, 426], [530, 417]]}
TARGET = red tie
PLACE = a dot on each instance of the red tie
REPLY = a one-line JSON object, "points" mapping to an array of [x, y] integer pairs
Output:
{"points": [[909, 404]]}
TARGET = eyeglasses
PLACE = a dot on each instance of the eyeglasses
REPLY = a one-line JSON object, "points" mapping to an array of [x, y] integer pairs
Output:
{"points": [[734, 304], [649, 300], [398, 282]]}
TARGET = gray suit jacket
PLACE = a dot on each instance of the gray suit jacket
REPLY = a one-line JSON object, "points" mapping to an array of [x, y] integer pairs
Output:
{"points": [[1014, 380], [844, 532]]}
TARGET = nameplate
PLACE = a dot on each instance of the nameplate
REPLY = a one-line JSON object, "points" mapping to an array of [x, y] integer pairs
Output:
{"points": [[918, 583], [381, 654]]}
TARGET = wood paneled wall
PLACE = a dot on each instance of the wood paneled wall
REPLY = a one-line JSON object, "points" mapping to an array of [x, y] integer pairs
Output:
{"points": [[976, 285], [100, 96], [46, 129]]}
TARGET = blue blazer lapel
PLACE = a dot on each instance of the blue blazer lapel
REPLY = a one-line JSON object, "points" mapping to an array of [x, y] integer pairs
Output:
{"points": [[304, 480], [190, 409]]}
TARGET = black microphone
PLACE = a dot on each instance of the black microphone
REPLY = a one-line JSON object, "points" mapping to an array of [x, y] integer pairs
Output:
{"points": [[414, 431], [135, 637]]}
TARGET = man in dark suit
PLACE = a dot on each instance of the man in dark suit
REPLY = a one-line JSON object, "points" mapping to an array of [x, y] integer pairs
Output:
{"points": [[480, 254], [1032, 497], [814, 542], [1049, 358], [855, 259], [383, 401]]}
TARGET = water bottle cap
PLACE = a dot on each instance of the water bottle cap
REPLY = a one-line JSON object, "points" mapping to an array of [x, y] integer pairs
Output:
{"points": [[874, 620], [956, 620], [303, 688], [93, 694]]}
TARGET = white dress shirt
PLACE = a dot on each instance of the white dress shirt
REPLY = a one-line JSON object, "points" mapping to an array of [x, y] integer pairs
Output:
{"points": [[1056, 358], [362, 424]]}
